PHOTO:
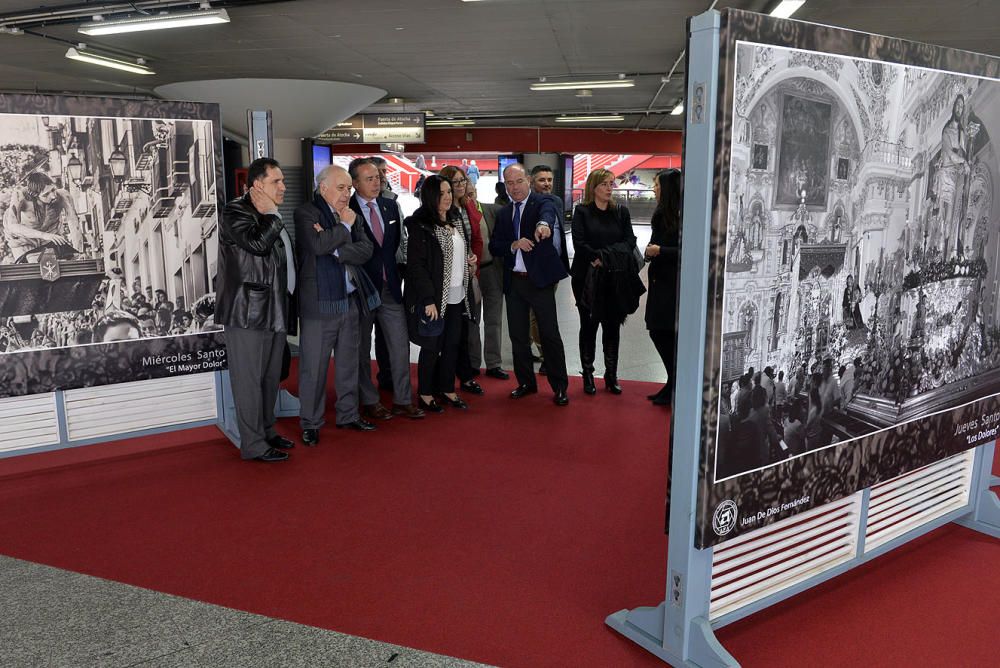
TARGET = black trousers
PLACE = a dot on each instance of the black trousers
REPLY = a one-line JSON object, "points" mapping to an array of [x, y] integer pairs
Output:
{"points": [[664, 342], [436, 363], [523, 297]]}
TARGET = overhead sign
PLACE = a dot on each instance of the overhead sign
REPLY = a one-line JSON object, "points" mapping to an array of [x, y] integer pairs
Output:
{"points": [[375, 129]]}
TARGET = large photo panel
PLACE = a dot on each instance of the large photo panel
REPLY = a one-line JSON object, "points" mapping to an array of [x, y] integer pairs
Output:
{"points": [[108, 241], [854, 324]]}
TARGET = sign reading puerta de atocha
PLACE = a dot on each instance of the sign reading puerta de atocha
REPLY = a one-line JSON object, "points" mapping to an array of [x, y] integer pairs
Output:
{"points": [[108, 241], [375, 129], [855, 255]]}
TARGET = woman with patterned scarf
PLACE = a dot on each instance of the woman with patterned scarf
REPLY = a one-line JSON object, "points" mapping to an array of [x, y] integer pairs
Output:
{"points": [[439, 265]]}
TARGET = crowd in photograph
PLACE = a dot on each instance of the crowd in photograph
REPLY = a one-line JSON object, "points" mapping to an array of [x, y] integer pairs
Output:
{"points": [[765, 417], [439, 279]]}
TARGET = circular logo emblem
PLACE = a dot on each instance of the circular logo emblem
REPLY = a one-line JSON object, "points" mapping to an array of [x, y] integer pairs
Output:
{"points": [[724, 519]]}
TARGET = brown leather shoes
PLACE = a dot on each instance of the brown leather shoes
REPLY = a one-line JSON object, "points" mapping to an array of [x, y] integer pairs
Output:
{"points": [[407, 410], [376, 412]]}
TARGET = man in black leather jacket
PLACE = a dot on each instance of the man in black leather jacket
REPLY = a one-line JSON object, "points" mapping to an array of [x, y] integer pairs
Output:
{"points": [[255, 276]]}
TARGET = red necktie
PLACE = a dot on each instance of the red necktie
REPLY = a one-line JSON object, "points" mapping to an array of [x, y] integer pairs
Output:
{"points": [[376, 222]]}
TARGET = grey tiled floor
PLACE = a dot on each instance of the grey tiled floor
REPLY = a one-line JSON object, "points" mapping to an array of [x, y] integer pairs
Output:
{"points": [[54, 618]]}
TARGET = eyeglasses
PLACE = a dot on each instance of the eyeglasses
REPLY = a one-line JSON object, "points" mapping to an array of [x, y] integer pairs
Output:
{"points": [[460, 181]]}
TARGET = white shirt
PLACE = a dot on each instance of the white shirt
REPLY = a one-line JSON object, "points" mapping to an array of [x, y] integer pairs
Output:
{"points": [[336, 253], [289, 259], [518, 257], [458, 260]]}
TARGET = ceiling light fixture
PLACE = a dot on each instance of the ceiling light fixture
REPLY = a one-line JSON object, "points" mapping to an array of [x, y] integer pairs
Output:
{"points": [[678, 110], [82, 54], [454, 122], [573, 85], [786, 8], [590, 119], [155, 22]]}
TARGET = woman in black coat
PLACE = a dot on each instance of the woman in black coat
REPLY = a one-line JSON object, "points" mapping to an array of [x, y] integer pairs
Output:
{"points": [[663, 254], [601, 227], [439, 258]]}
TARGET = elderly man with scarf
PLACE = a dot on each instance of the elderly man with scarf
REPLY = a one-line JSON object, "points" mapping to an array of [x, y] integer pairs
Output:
{"points": [[333, 291]]}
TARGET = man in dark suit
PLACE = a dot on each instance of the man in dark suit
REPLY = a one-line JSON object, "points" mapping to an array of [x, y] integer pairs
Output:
{"points": [[331, 250], [533, 266], [256, 273], [381, 221]]}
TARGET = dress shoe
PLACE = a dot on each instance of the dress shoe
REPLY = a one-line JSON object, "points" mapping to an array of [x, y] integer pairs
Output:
{"points": [[660, 394], [430, 406], [472, 387], [542, 370], [457, 402], [662, 401], [560, 398], [523, 391], [498, 373], [612, 386], [376, 411], [357, 425], [272, 455], [407, 410], [588, 383], [280, 442], [310, 437]]}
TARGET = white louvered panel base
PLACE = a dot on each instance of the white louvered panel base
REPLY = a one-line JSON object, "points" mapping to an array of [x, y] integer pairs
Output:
{"points": [[912, 500], [109, 410], [767, 561], [28, 422]]}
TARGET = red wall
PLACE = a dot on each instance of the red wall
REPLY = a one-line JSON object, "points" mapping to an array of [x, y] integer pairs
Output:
{"points": [[536, 140]]}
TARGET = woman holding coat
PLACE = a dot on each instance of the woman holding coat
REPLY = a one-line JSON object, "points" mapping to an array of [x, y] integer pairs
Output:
{"points": [[604, 242], [439, 263]]}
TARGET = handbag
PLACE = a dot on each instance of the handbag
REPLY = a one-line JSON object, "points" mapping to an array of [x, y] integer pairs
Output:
{"points": [[430, 328]]}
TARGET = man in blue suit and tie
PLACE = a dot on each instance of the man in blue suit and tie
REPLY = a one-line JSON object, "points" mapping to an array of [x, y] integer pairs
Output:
{"points": [[533, 247], [382, 222]]}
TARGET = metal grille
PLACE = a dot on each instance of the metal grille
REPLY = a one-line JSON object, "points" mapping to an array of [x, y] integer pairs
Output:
{"points": [[912, 500], [110, 410], [28, 422], [772, 559]]}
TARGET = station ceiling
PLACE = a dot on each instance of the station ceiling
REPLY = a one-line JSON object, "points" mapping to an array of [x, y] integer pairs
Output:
{"points": [[455, 58]]}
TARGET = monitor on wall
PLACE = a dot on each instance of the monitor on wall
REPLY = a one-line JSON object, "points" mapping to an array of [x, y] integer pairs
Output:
{"points": [[505, 160]]}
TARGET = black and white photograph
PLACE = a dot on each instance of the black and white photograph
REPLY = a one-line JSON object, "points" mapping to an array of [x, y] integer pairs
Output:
{"points": [[108, 231], [873, 300]]}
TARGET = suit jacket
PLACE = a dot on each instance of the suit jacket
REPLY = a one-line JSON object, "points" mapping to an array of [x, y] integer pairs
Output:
{"points": [[544, 264], [352, 246], [383, 257]]}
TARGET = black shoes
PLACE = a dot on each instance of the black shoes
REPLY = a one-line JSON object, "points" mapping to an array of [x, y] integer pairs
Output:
{"points": [[560, 399], [523, 391], [612, 386], [280, 442], [498, 373], [588, 383], [272, 455], [457, 402], [310, 437], [430, 406], [357, 425], [472, 387]]}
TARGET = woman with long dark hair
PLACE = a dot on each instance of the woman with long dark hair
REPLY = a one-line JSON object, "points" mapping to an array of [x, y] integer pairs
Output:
{"points": [[439, 264], [663, 254], [604, 241]]}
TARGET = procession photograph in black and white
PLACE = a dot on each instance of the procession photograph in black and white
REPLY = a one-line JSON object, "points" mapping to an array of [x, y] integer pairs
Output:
{"points": [[108, 229], [861, 276]]}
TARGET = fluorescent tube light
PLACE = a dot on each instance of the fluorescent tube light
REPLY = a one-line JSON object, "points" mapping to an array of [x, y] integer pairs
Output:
{"points": [[786, 8], [444, 121], [76, 53], [590, 119], [571, 85], [678, 110], [155, 22]]}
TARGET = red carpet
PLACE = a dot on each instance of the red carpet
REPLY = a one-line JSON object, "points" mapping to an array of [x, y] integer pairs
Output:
{"points": [[505, 535]]}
